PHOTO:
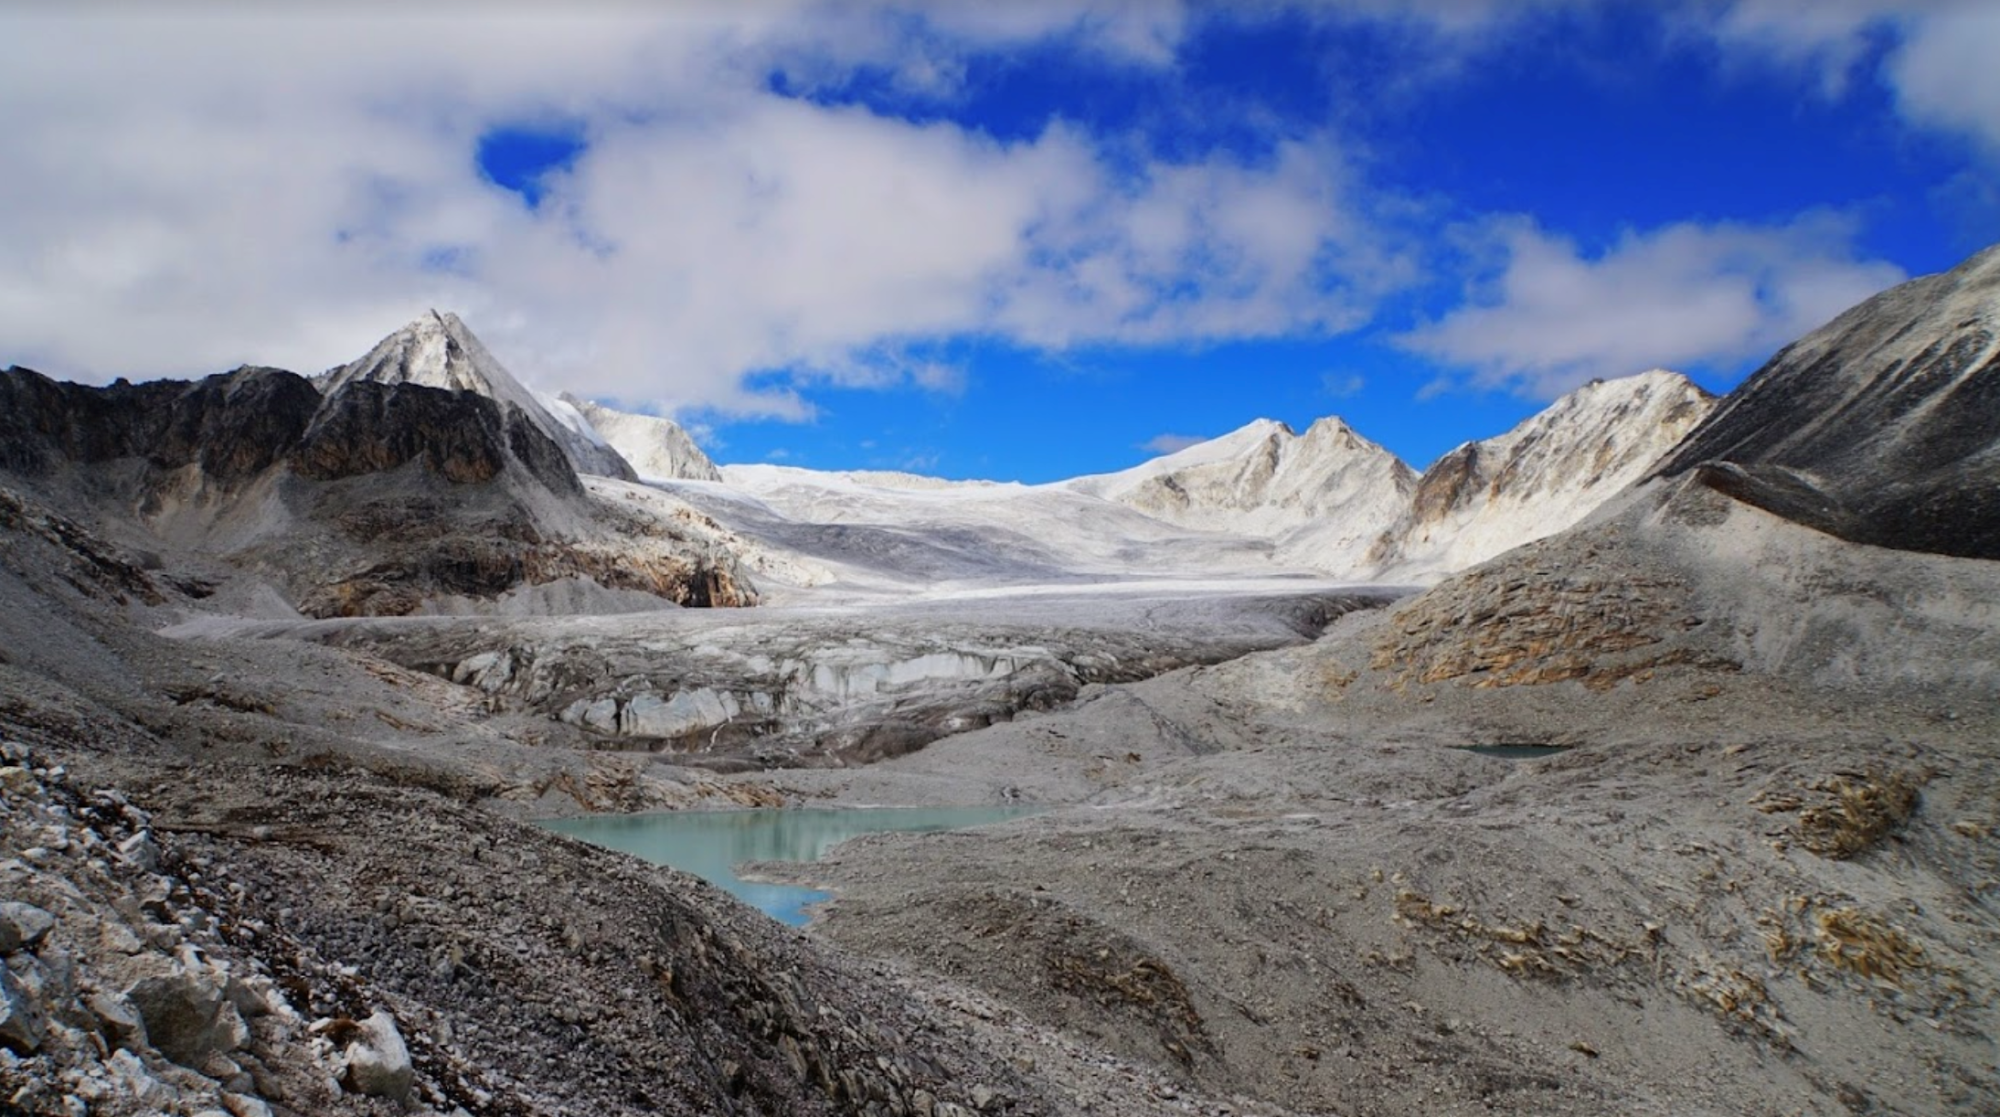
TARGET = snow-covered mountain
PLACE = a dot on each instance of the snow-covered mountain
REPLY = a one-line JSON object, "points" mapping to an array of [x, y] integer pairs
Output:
{"points": [[656, 448], [1881, 427], [877, 528], [439, 351], [1544, 475], [1332, 501], [1266, 482]]}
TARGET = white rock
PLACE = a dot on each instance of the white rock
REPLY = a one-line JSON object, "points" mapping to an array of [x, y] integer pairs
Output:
{"points": [[141, 850], [378, 1064]]}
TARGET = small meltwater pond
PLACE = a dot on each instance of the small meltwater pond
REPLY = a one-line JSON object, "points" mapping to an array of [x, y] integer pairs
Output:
{"points": [[1516, 752], [710, 844]]}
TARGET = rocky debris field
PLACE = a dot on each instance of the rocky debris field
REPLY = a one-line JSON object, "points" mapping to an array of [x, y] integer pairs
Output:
{"points": [[1685, 927], [295, 941], [123, 992], [1759, 874]]}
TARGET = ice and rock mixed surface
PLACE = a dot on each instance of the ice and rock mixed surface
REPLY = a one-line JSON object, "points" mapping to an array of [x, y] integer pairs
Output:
{"points": [[284, 660]]}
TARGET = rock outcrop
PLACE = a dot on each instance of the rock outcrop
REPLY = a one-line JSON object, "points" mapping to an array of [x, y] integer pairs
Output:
{"points": [[369, 427], [232, 426], [1881, 427], [383, 496]]}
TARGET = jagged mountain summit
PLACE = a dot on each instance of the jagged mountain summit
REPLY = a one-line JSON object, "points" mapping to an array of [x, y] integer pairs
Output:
{"points": [[1330, 500], [1881, 427], [1263, 479], [440, 351], [385, 495], [1542, 476], [656, 448]]}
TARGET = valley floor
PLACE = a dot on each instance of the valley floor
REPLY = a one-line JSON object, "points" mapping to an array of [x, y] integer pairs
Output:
{"points": [[1762, 877]]}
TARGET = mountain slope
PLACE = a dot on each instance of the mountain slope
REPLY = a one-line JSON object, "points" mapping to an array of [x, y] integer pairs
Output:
{"points": [[1540, 477], [1881, 427], [378, 498], [1265, 481], [656, 448], [439, 351]]}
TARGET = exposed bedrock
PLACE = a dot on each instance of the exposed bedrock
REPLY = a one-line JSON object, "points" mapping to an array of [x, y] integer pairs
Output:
{"points": [[377, 499], [1882, 427]]}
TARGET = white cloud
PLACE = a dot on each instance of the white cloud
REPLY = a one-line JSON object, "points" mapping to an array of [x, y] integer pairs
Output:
{"points": [[1935, 56], [203, 188], [1341, 385], [209, 186], [1683, 296], [1944, 73], [1171, 443]]}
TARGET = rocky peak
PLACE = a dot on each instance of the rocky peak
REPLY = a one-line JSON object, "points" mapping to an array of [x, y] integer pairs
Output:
{"points": [[466, 438], [438, 350], [1542, 476], [1881, 427]]}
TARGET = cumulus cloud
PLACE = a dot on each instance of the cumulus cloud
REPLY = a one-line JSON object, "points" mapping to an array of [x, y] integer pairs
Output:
{"points": [[1934, 56], [195, 190], [1684, 296], [1944, 75]]}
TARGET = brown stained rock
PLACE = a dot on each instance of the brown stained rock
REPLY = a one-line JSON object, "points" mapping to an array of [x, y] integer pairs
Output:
{"points": [[488, 568], [1500, 628], [1848, 813]]}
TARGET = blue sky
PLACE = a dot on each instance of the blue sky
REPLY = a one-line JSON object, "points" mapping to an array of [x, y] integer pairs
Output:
{"points": [[1024, 241]]}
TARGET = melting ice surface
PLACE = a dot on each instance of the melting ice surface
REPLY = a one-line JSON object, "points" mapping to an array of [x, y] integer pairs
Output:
{"points": [[710, 844]]}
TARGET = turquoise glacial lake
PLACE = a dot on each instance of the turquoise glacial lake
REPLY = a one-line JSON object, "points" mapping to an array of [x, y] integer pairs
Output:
{"points": [[710, 844]]}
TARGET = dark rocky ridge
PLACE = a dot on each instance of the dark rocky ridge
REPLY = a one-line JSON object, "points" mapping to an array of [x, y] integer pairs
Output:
{"points": [[1882, 427], [396, 492], [368, 427], [236, 425], [440, 351], [233, 425]]}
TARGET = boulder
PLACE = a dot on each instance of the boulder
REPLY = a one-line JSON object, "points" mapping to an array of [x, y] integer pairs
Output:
{"points": [[378, 1064], [22, 926], [118, 1019], [187, 1018], [22, 1021]]}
